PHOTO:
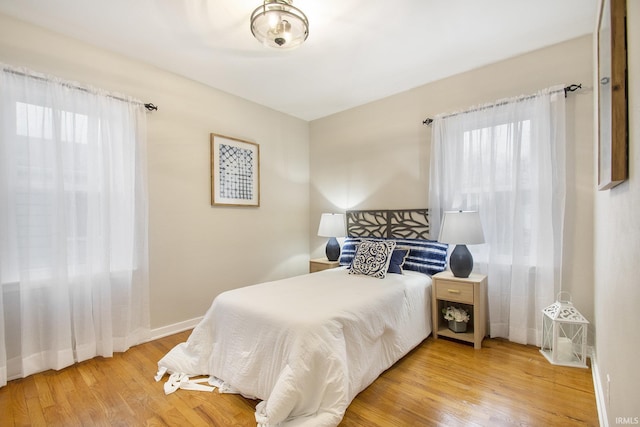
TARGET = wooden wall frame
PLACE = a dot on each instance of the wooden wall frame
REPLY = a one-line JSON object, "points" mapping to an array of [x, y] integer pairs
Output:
{"points": [[235, 172], [611, 93]]}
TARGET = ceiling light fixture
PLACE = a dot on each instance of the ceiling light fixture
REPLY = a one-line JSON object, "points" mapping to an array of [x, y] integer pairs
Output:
{"points": [[276, 23]]}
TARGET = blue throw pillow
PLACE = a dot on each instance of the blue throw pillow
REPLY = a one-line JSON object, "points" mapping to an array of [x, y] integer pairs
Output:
{"points": [[397, 260]]}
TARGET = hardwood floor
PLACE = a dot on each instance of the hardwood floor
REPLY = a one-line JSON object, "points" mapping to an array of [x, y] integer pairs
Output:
{"points": [[440, 383]]}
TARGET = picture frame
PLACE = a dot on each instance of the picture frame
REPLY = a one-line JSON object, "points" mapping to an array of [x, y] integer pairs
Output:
{"points": [[611, 94], [235, 172]]}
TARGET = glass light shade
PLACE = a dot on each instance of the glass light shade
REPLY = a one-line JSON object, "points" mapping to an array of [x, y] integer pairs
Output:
{"points": [[461, 228], [278, 24], [332, 225]]}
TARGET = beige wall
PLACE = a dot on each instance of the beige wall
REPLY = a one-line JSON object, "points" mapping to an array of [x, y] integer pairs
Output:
{"points": [[377, 155], [617, 257], [196, 250]]}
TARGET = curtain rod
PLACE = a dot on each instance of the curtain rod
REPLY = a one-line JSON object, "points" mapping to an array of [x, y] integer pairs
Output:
{"points": [[149, 106], [567, 89]]}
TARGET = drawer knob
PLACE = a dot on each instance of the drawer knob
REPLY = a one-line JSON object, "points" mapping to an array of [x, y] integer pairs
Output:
{"points": [[453, 291]]}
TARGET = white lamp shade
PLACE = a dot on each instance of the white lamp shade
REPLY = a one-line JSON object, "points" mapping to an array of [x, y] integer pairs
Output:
{"points": [[461, 228], [332, 225]]}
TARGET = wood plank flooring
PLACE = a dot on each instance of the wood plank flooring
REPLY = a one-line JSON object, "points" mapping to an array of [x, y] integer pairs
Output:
{"points": [[440, 383]]}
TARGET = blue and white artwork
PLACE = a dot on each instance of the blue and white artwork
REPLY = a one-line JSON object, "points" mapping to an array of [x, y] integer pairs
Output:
{"points": [[236, 172]]}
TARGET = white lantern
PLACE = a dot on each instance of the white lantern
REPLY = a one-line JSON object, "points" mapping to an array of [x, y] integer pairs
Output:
{"points": [[564, 334]]}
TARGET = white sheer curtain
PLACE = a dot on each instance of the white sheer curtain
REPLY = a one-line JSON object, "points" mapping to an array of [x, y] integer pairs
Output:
{"points": [[73, 223], [507, 160]]}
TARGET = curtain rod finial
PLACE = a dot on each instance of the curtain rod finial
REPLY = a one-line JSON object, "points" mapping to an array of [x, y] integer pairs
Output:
{"points": [[572, 88]]}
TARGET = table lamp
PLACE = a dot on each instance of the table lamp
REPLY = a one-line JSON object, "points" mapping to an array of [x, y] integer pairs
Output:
{"points": [[461, 228], [332, 226]]}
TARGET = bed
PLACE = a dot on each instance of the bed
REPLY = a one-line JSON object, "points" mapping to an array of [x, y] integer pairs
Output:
{"points": [[306, 346]]}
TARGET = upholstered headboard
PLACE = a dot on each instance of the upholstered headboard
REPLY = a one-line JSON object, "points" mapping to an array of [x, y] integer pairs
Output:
{"points": [[390, 224]]}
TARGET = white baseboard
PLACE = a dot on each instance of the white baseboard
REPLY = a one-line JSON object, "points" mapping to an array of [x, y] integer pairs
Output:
{"points": [[165, 331], [601, 395]]}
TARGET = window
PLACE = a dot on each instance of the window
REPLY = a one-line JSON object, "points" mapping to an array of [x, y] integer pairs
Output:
{"points": [[38, 179], [500, 162], [73, 223], [507, 161]]}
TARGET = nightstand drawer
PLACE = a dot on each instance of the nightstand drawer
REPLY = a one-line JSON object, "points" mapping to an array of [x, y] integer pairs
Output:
{"points": [[454, 291]]}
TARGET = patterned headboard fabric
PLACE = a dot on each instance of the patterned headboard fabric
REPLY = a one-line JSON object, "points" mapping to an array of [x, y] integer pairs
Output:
{"points": [[390, 224]]}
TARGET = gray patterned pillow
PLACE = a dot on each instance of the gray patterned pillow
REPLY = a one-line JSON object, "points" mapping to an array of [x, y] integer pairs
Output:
{"points": [[372, 258]]}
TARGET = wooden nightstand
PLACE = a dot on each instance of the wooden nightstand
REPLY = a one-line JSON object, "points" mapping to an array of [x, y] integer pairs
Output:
{"points": [[320, 264], [471, 291]]}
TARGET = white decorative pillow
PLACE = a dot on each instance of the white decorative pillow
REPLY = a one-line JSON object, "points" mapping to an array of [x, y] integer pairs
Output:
{"points": [[372, 258]]}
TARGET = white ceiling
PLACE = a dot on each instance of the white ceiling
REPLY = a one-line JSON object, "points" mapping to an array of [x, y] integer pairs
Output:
{"points": [[358, 51]]}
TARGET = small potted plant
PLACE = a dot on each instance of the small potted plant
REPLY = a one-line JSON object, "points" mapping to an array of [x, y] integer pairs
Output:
{"points": [[457, 317]]}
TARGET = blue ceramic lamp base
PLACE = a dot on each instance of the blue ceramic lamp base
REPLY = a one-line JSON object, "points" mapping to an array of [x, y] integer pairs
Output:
{"points": [[461, 261], [333, 249]]}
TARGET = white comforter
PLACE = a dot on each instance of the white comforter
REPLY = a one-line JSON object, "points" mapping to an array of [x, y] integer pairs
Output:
{"points": [[307, 345]]}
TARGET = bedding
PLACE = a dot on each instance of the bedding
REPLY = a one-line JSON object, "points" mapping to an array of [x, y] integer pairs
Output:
{"points": [[307, 345]]}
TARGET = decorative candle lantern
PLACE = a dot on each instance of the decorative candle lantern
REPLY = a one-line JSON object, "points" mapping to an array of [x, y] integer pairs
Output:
{"points": [[564, 334]]}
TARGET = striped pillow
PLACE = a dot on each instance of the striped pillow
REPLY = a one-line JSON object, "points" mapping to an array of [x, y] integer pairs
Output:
{"points": [[349, 250], [425, 256]]}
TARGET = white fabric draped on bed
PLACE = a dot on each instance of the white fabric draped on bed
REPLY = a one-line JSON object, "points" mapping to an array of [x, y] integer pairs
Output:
{"points": [[307, 345]]}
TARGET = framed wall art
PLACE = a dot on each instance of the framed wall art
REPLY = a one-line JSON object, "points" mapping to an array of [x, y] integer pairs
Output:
{"points": [[611, 92], [235, 172]]}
